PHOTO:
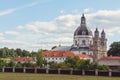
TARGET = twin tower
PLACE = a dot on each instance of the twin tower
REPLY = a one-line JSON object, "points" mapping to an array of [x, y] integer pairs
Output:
{"points": [[84, 42]]}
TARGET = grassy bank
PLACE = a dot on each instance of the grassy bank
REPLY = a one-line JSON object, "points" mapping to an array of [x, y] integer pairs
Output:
{"points": [[25, 76]]}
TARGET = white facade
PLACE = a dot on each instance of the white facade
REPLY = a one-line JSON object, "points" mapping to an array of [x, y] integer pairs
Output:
{"points": [[83, 40], [55, 59]]}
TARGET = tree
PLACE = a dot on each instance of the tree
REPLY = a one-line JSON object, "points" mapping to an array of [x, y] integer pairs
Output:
{"points": [[3, 53], [114, 49], [25, 53], [39, 58], [2, 63], [54, 47], [18, 52], [12, 52]]}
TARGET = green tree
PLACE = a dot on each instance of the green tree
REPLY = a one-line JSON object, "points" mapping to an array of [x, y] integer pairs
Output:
{"points": [[19, 64], [10, 64], [54, 47], [71, 61], [25, 53], [12, 53], [114, 49], [39, 58], [2, 63], [4, 53], [18, 52]]}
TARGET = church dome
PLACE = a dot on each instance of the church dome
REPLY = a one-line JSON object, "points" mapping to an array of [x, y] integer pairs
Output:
{"points": [[83, 29]]}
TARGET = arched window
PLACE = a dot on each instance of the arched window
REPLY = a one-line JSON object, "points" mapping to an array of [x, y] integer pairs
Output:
{"points": [[75, 42], [83, 53], [83, 42]]}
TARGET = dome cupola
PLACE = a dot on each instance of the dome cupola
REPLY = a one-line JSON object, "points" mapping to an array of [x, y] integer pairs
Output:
{"points": [[83, 29]]}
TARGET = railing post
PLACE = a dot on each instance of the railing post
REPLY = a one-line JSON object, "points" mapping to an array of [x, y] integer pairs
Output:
{"points": [[24, 69], [83, 72], [3, 69], [35, 71], [96, 72], [47, 70], [59, 70], [110, 72], [71, 71], [13, 69]]}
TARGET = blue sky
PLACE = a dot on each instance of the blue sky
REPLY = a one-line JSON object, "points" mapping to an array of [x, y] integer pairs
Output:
{"points": [[35, 24]]}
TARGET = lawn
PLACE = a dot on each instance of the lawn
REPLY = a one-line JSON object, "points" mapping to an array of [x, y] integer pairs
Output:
{"points": [[26, 76]]}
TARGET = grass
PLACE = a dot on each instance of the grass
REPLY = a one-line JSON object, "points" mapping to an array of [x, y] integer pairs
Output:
{"points": [[26, 76]]}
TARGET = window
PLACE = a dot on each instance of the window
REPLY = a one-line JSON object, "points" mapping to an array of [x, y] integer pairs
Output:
{"points": [[83, 32], [75, 42], [83, 42], [83, 53]]}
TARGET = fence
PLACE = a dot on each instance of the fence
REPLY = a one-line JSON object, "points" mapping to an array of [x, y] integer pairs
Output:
{"points": [[61, 71]]}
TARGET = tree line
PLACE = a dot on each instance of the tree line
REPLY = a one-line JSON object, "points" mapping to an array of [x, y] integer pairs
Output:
{"points": [[77, 63], [6, 52]]}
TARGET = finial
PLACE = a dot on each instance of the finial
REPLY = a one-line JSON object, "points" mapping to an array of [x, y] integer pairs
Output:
{"points": [[82, 14], [103, 31], [96, 31]]}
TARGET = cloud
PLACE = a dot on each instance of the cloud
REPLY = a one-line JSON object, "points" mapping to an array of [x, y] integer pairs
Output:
{"points": [[11, 10], [8, 11], [20, 27], [86, 10], [60, 30], [13, 33]]}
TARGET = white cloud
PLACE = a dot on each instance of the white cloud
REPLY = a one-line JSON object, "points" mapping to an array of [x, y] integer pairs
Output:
{"points": [[8, 11], [11, 10], [20, 27], [14, 33], [60, 30], [86, 10]]}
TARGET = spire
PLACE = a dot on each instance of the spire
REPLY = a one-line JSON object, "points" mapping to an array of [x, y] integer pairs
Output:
{"points": [[83, 15], [83, 20], [96, 33], [103, 34]]}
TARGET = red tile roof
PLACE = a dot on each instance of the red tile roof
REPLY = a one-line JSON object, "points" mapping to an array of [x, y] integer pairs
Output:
{"points": [[111, 57], [58, 54], [64, 54], [20, 59], [84, 56]]}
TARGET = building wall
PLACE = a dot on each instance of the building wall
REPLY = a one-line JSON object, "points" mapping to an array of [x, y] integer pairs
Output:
{"points": [[55, 59], [109, 62]]}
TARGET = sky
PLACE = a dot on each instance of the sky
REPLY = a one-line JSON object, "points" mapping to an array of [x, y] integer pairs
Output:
{"points": [[42, 24]]}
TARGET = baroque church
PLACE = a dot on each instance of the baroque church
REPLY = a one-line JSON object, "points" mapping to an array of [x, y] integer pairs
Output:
{"points": [[85, 42], [86, 45]]}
